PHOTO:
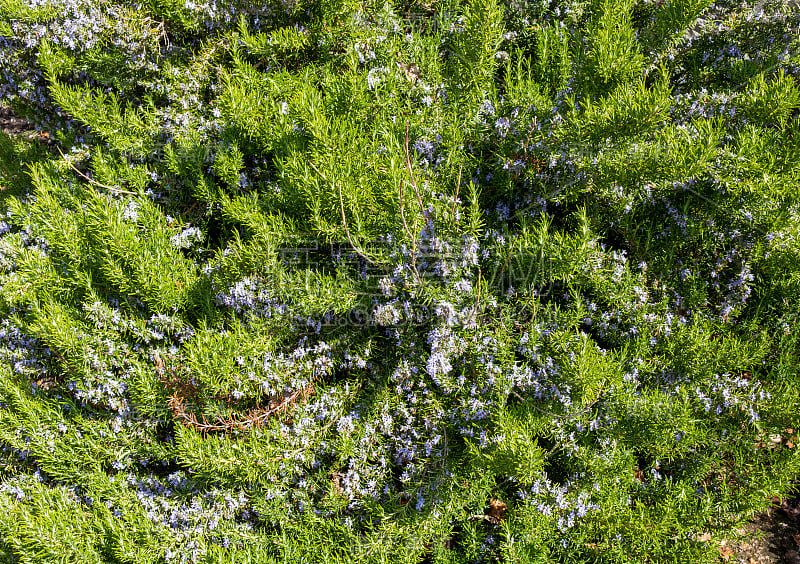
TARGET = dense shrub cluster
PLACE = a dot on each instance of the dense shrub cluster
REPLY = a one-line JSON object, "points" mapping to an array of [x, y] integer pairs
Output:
{"points": [[458, 281]]}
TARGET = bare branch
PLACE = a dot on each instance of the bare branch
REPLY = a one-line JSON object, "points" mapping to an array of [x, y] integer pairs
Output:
{"points": [[91, 181]]}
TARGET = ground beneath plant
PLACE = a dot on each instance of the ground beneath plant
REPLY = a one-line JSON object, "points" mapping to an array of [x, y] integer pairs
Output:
{"points": [[11, 124], [772, 537], [14, 125]]}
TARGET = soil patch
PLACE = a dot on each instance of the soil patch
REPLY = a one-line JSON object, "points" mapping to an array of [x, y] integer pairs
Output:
{"points": [[11, 124], [773, 537]]}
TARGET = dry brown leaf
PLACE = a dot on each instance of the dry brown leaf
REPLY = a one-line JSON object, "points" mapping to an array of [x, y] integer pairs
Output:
{"points": [[796, 539], [497, 509], [159, 364], [46, 382], [705, 537], [336, 482], [411, 70], [725, 551]]}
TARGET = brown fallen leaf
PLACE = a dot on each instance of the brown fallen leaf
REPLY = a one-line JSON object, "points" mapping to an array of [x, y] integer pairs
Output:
{"points": [[796, 539], [46, 382], [497, 509], [336, 482], [411, 70], [725, 551], [494, 514]]}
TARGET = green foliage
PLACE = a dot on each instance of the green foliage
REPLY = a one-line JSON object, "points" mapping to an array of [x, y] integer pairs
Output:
{"points": [[475, 40], [396, 282], [613, 55]]}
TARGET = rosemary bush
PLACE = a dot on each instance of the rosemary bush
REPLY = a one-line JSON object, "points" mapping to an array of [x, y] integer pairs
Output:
{"points": [[337, 280]]}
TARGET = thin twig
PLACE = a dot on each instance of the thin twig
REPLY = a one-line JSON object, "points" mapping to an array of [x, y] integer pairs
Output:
{"points": [[411, 237], [411, 173], [347, 230], [96, 183], [344, 218], [458, 188], [473, 313], [254, 418]]}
